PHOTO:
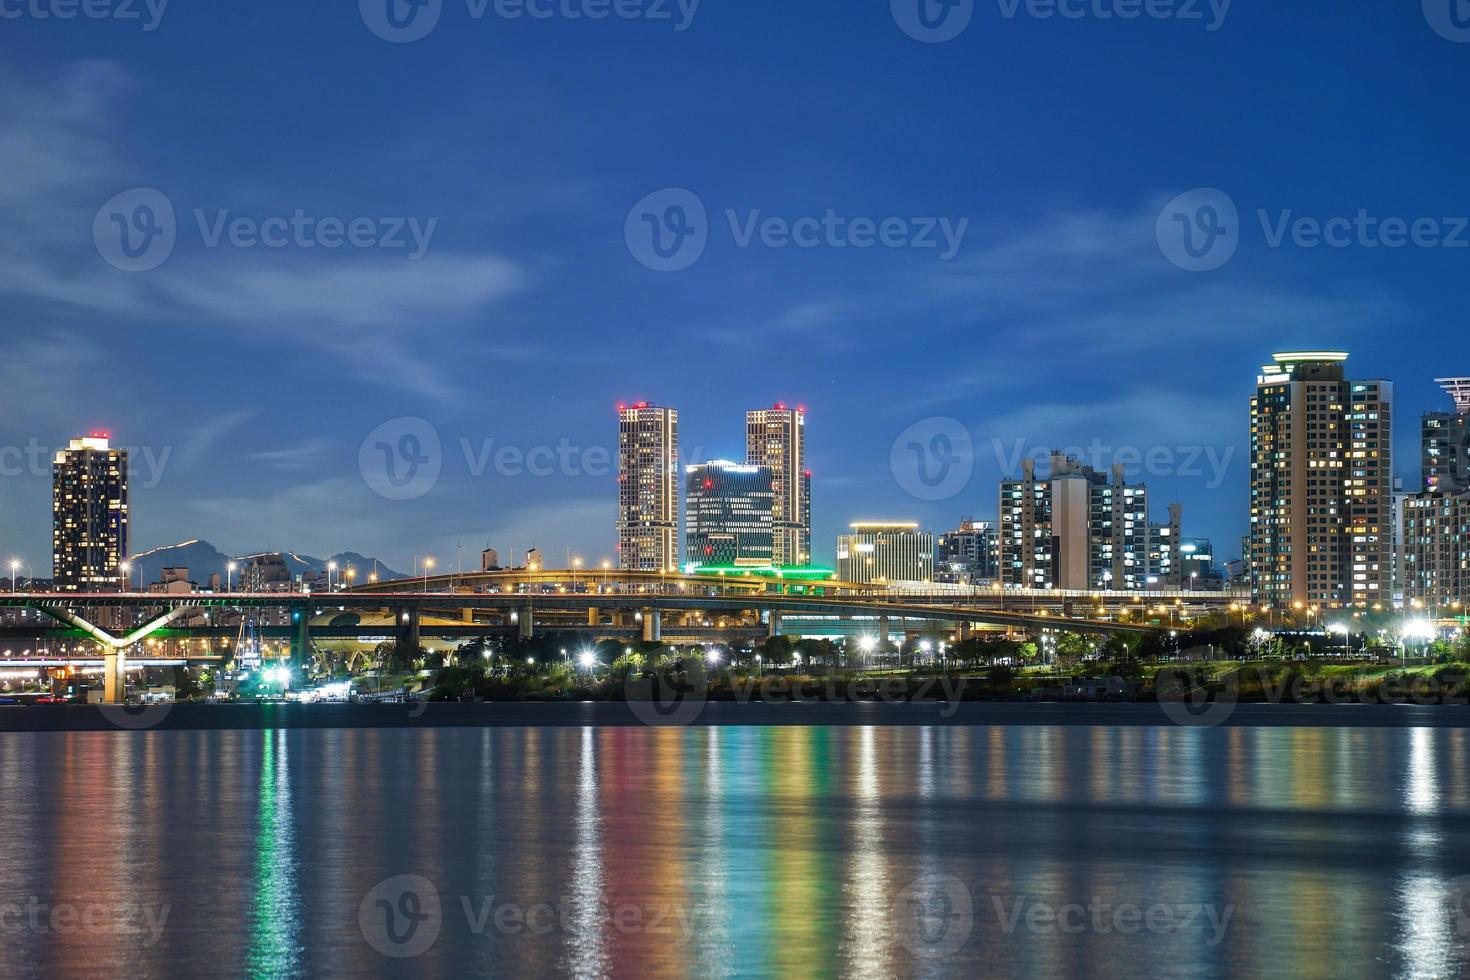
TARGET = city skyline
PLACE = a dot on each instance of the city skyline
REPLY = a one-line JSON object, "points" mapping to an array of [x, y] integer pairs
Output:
{"points": [[1057, 322], [1408, 474]]}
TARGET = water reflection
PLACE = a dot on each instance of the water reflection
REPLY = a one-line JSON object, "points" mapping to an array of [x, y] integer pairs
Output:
{"points": [[275, 912], [743, 851]]}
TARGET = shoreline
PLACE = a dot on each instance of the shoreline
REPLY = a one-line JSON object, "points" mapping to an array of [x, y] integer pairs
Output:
{"points": [[714, 714]]}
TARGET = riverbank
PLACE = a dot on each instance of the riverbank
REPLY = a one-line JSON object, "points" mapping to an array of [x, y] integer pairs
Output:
{"points": [[189, 717]]}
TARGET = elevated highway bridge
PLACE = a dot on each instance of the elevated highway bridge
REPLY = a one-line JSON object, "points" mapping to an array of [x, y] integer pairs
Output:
{"points": [[595, 603]]}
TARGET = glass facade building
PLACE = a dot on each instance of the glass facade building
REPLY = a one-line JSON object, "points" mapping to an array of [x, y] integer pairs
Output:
{"points": [[728, 516]]}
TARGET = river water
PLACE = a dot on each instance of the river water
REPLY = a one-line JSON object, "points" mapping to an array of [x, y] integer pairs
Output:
{"points": [[964, 851]]}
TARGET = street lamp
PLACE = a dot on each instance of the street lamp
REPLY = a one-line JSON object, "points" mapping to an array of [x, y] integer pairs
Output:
{"points": [[1346, 631], [428, 563], [331, 567], [14, 569], [230, 576]]}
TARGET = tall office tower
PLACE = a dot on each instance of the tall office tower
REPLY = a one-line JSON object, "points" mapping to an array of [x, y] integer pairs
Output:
{"points": [[1076, 530], [89, 516], [885, 552], [1321, 484], [728, 515], [776, 437], [648, 488], [1446, 442], [968, 555]]}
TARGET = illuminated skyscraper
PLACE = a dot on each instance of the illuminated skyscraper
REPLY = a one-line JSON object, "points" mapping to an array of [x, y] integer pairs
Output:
{"points": [[648, 488], [728, 510], [1321, 484], [776, 437], [885, 552], [89, 516]]}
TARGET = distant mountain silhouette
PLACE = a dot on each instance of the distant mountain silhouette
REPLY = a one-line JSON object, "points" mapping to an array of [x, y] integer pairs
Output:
{"points": [[203, 559]]}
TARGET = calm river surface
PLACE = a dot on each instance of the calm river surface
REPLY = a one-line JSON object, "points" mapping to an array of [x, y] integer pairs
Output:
{"points": [[736, 851]]}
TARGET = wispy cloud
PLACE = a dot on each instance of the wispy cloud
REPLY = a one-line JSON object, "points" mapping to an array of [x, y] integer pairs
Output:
{"points": [[300, 458], [366, 307]]}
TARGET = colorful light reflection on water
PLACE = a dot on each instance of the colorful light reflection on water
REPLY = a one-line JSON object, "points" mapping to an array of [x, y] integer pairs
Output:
{"points": [[736, 851]]}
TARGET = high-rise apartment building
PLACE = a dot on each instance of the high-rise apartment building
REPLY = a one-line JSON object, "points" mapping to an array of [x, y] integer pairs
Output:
{"points": [[884, 552], [968, 555], [1074, 529], [776, 438], [1436, 549], [1445, 442], [1321, 484], [648, 488], [728, 515], [89, 516], [1434, 529]]}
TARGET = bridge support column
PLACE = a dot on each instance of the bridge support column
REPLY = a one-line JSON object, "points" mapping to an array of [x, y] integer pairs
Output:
{"points": [[592, 616], [653, 631], [409, 639], [964, 631], [114, 676], [301, 644], [526, 621], [775, 622], [883, 632]]}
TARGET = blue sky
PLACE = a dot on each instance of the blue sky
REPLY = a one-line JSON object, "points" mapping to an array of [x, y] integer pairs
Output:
{"points": [[252, 375]]}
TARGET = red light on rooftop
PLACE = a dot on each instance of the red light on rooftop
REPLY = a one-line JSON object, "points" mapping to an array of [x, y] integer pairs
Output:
{"points": [[709, 484], [780, 406], [622, 408]]}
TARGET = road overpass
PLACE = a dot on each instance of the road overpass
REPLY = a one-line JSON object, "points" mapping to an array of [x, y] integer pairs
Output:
{"points": [[598, 604]]}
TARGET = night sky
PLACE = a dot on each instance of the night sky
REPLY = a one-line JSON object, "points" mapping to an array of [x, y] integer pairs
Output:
{"points": [[252, 376]]}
